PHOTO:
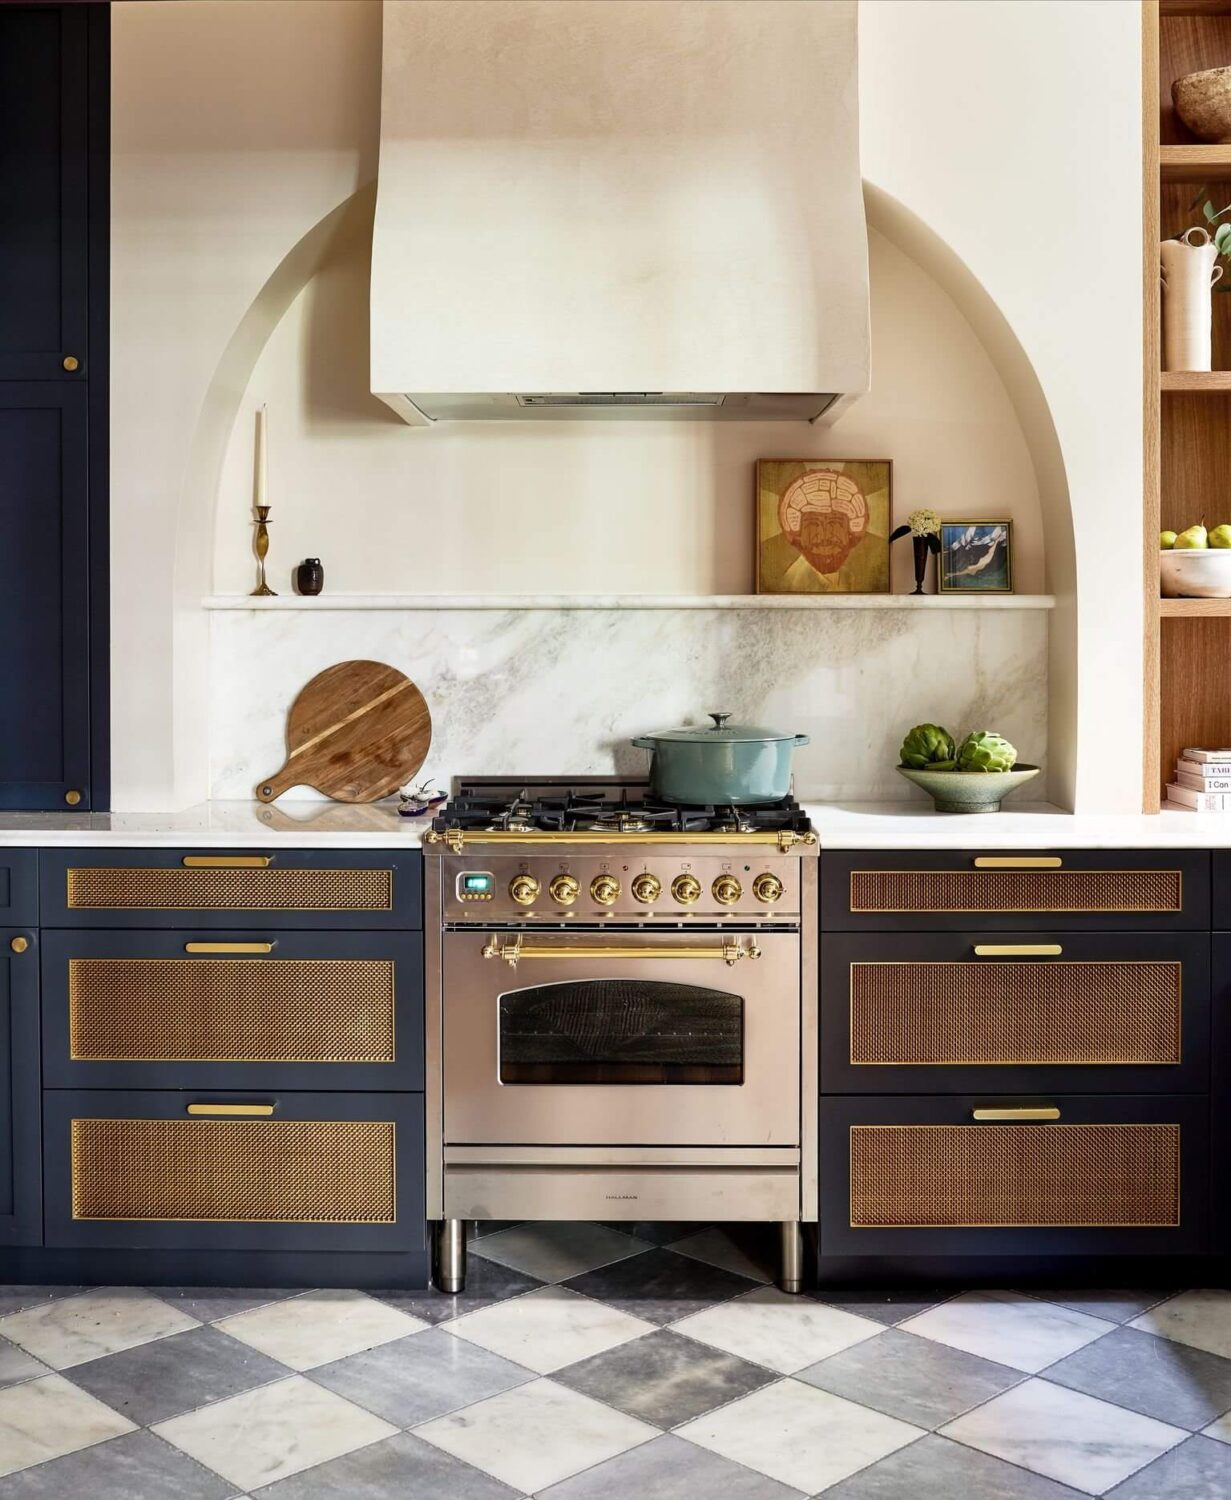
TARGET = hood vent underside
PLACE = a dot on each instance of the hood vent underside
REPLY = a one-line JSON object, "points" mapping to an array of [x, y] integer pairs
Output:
{"points": [[623, 398]]}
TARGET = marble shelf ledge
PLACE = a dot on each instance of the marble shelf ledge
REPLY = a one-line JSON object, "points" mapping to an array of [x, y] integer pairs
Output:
{"points": [[630, 601]]}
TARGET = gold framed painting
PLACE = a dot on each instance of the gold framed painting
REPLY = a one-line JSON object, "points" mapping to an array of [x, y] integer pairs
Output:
{"points": [[823, 525], [976, 557]]}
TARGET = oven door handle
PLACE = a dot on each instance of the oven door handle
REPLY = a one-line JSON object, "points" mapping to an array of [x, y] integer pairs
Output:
{"points": [[512, 950]]}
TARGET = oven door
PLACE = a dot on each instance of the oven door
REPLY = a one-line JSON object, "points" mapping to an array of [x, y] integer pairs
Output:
{"points": [[628, 1038]]}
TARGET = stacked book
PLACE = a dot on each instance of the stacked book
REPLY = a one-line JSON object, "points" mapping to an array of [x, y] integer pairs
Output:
{"points": [[1202, 781]]}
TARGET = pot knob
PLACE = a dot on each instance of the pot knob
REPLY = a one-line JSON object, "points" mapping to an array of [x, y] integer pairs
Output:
{"points": [[564, 889], [719, 719], [523, 889], [686, 889], [647, 887], [605, 889]]}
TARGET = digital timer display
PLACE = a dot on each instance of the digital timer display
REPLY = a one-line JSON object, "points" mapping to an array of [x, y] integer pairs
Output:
{"points": [[477, 882], [476, 885]]}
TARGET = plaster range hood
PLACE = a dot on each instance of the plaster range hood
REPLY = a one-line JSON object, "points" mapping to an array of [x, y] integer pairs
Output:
{"points": [[648, 209]]}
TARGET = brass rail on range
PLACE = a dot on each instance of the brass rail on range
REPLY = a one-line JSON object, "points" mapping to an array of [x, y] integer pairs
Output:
{"points": [[458, 839]]}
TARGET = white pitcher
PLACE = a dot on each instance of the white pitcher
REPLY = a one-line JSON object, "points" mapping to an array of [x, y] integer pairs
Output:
{"points": [[1188, 273]]}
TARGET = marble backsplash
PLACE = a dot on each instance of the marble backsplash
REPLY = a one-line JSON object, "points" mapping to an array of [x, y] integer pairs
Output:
{"points": [[557, 692]]}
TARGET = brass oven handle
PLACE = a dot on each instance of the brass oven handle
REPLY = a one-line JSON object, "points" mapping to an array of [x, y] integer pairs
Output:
{"points": [[514, 949], [1018, 862], [459, 839], [227, 861], [214, 1110], [1018, 950], [228, 947], [1045, 1112]]}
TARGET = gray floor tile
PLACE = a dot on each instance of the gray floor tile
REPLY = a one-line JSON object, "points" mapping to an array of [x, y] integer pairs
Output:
{"points": [[209, 1303], [165, 1377], [911, 1378], [664, 1378], [487, 1281], [936, 1469], [886, 1307], [1199, 1469], [658, 1231], [137, 1466], [1173, 1382], [400, 1466], [18, 1298], [1117, 1306], [660, 1286], [17, 1365], [414, 1379], [669, 1469]]}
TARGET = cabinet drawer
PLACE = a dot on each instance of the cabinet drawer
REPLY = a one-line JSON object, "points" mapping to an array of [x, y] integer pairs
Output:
{"points": [[298, 888], [1084, 891], [924, 1176], [317, 1172], [937, 1012], [162, 1010]]}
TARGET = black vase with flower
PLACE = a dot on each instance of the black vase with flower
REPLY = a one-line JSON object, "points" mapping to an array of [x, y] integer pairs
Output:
{"points": [[923, 528]]}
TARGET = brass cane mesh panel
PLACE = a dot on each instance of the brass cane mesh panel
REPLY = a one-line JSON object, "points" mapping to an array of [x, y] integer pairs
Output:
{"points": [[1015, 890], [105, 887], [1014, 1176], [920, 1013], [231, 1010], [241, 1171]]}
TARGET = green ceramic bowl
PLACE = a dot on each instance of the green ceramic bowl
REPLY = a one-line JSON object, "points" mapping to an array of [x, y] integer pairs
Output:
{"points": [[970, 791]]}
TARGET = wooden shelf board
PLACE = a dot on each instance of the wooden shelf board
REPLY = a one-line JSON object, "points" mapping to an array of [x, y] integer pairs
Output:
{"points": [[1195, 382], [1194, 7], [1194, 609], [1195, 164]]}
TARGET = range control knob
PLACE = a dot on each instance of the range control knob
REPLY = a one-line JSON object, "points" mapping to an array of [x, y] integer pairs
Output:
{"points": [[767, 888], [564, 889], [605, 889], [523, 889], [647, 887], [727, 890], [686, 889]]}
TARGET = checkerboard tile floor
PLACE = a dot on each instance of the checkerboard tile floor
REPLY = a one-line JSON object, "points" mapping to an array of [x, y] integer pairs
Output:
{"points": [[588, 1361]]}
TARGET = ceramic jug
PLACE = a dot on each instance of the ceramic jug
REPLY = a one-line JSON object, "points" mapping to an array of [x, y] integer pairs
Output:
{"points": [[1189, 274]]}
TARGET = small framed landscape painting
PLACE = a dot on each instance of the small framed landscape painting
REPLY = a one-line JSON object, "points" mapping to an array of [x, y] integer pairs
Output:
{"points": [[823, 526], [976, 557]]}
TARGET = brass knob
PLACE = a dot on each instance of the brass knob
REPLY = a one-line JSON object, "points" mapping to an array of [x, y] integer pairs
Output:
{"points": [[564, 889], [70, 362], [523, 889], [767, 887], [19, 944], [605, 889], [647, 887], [727, 890], [72, 797], [686, 889]]}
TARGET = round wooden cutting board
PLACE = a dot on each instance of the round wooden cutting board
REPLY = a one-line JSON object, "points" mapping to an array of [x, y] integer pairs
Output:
{"points": [[356, 732]]}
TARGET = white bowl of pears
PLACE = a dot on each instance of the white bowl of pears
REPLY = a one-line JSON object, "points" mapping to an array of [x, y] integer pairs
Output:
{"points": [[1196, 563]]}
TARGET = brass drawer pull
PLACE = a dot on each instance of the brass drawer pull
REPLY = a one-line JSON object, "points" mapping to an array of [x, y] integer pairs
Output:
{"points": [[1018, 950], [1046, 1112], [1018, 862], [216, 1110], [228, 947], [227, 861]]}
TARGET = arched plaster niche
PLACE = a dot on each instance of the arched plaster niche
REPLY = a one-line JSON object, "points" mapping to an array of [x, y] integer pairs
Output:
{"points": [[914, 238]]}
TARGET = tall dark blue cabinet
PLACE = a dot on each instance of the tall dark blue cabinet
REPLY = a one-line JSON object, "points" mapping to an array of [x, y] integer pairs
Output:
{"points": [[54, 144]]}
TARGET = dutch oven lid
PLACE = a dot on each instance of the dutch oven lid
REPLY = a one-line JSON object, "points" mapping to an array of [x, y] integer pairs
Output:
{"points": [[718, 730]]}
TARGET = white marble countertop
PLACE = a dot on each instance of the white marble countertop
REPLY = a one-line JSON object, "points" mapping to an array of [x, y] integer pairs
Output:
{"points": [[1030, 825], [225, 825]]}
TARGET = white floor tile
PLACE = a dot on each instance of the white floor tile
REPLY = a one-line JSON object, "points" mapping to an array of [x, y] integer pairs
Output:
{"points": [[1220, 1429], [266, 1434], [775, 1329], [47, 1418], [74, 1329], [799, 1435], [716, 1247], [554, 1252], [1065, 1435], [1200, 1318], [318, 1327], [536, 1435], [1008, 1327], [548, 1329]]}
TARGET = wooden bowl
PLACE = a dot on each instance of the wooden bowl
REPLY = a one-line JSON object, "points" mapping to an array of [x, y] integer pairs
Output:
{"points": [[1203, 101]]}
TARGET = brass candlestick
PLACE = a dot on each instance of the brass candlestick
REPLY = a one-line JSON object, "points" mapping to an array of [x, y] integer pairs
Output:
{"points": [[261, 544]]}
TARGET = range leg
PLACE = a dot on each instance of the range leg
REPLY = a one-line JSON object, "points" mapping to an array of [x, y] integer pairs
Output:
{"points": [[451, 1255], [792, 1235]]}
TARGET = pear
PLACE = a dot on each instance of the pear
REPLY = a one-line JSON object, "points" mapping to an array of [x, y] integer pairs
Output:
{"points": [[1195, 538], [1166, 540], [1221, 536]]}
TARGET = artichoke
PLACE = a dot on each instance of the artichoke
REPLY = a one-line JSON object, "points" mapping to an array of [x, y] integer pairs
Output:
{"points": [[928, 747], [985, 750]]}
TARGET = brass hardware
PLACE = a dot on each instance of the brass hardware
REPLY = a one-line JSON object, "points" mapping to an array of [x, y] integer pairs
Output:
{"points": [[261, 547], [1018, 862], [1015, 890], [523, 889], [1018, 950], [458, 839], [767, 888], [1046, 1112], [646, 887], [604, 889], [72, 796], [227, 861], [726, 890], [564, 889], [19, 944], [686, 889], [70, 362], [228, 947], [228, 886], [511, 950], [216, 1110]]}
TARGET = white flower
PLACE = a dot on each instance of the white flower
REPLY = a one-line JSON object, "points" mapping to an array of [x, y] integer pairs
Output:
{"points": [[923, 522]]}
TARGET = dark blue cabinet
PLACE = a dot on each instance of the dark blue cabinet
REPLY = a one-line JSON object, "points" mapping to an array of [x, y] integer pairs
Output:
{"points": [[20, 1134]]}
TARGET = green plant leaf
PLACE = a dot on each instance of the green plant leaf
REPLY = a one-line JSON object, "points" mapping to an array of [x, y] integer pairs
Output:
{"points": [[1208, 211]]}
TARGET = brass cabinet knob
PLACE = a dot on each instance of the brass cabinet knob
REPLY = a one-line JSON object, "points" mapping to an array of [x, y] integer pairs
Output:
{"points": [[686, 889], [564, 889], [727, 890], [72, 796], [604, 889], [523, 889], [646, 887], [19, 944], [767, 888], [70, 362]]}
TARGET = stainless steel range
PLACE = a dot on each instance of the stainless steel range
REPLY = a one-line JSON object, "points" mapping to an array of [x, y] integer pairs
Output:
{"points": [[621, 1011]]}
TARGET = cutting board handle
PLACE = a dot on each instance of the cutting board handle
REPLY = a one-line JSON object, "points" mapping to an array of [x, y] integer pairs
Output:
{"points": [[281, 781]]}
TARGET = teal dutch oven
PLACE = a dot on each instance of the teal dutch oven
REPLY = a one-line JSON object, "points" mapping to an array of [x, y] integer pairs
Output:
{"points": [[732, 764]]}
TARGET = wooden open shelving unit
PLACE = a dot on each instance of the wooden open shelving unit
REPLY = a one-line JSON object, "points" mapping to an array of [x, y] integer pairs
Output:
{"points": [[1187, 474]]}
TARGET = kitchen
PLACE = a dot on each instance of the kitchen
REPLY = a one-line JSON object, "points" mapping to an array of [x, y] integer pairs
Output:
{"points": [[644, 1103]]}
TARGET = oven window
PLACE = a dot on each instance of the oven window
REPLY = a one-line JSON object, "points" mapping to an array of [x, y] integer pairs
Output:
{"points": [[621, 1031]]}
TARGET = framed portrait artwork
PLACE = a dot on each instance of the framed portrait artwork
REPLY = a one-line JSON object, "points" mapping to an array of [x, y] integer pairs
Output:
{"points": [[822, 525], [976, 557]]}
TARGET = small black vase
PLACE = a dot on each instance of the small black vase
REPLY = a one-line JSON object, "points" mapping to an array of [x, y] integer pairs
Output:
{"points": [[920, 544], [310, 576]]}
